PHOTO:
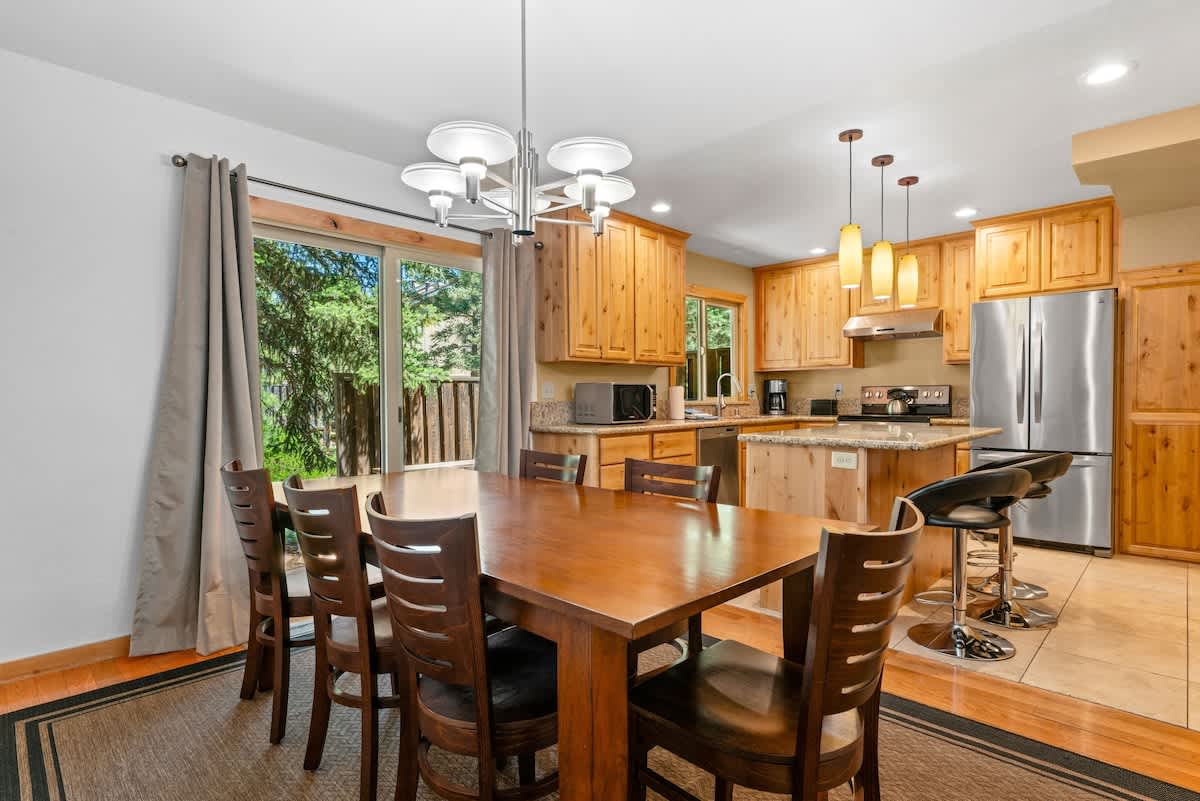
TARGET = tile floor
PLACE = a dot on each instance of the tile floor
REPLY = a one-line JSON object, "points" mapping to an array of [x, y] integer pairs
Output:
{"points": [[1128, 634]]}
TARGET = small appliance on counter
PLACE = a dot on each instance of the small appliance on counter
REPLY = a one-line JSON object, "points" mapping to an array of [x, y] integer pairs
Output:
{"points": [[775, 396], [826, 407], [609, 404], [904, 404]]}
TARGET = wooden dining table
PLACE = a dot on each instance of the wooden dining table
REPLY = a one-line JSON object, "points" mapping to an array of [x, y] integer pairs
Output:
{"points": [[592, 570]]}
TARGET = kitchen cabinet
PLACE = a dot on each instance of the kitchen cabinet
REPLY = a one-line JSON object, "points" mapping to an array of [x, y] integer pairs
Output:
{"points": [[758, 428], [958, 272], [1062, 248], [802, 310], [606, 454], [615, 298], [962, 458], [929, 279]]}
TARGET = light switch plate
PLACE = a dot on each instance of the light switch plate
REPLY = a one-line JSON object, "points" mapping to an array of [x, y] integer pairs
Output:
{"points": [[845, 460], [548, 390]]}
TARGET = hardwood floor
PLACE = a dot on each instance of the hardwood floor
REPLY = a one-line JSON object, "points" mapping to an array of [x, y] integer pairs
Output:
{"points": [[1156, 749]]}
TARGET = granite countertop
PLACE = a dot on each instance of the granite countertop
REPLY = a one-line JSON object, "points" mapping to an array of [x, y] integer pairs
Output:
{"points": [[663, 424], [878, 436]]}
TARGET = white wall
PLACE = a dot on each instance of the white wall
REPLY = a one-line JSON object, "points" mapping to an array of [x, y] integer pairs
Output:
{"points": [[89, 210]]}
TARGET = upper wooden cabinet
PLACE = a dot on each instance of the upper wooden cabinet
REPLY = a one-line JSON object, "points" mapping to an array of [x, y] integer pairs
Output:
{"points": [[1061, 248], [801, 313], [929, 279], [958, 272], [614, 298]]}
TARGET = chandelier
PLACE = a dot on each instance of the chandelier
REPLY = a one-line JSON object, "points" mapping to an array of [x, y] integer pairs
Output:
{"points": [[474, 157]]}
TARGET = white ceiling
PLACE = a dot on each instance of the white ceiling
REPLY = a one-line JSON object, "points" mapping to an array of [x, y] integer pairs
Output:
{"points": [[731, 109]]}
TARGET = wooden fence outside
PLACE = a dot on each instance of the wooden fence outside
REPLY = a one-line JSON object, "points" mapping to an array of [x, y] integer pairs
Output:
{"points": [[439, 424]]}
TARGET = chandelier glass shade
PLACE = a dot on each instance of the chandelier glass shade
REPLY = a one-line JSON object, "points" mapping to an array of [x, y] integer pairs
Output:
{"points": [[486, 165], [883, 264]]}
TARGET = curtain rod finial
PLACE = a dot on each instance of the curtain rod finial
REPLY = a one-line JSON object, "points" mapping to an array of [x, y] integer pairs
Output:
{"points": [[178, 160]]}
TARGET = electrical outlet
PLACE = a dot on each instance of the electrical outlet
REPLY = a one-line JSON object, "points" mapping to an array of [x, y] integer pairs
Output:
{"points": [[837, 389], [548, 390], [844, 460]]}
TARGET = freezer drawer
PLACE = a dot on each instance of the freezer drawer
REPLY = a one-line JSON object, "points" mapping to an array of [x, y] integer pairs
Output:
{"points": [[1077, 512]]}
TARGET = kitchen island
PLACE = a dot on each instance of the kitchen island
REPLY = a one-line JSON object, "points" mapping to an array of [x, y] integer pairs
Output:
{"points": [[853, 472]]}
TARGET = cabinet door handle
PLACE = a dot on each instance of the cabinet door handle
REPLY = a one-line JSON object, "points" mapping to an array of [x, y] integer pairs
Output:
{"points": [[1037, 375]]}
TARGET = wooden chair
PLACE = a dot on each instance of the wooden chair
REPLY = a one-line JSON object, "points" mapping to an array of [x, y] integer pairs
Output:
{"points": [[353, 631], [779, 726], [694, 482], [567, 468], [491, 697], [276, 596]]}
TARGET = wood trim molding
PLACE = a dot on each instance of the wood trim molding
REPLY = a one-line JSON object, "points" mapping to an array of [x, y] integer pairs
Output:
{"points": [[276, 212], [66, 658], [650, 224], [739, 300], [826, 257], [1024, 215]]}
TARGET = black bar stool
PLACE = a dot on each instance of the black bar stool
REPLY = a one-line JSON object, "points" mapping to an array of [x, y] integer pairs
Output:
{"points": [[1005, 608], [970, 502]]}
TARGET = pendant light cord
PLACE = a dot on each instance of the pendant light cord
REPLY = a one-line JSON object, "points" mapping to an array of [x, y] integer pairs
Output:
{"points": [[523, 124], [882, 167], [907, 214], [850, 175]]}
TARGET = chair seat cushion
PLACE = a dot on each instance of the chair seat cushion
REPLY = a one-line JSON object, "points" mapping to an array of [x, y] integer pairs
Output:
{"points": [[968, 516], [524, 677], [737, 699], [343, 632]]}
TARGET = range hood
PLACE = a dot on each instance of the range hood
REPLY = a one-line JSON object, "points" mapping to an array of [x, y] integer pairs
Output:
{"points": [[908, 324]]}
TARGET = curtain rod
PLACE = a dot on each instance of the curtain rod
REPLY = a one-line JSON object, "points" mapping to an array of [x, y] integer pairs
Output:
{"points": [[179, 161]]}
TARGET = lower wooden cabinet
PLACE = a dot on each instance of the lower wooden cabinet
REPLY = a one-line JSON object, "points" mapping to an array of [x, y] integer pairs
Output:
{"points": [[607, 453], [962, 458]]}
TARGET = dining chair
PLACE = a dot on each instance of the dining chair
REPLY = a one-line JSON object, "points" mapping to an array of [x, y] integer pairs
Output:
{"points": [[276, 595], [693, 482], [782, 726], [567, 468], [353, 630], [488, 696]]}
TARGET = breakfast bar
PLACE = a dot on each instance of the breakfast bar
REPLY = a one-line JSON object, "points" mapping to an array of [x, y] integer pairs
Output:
{"points": [[853, 472]]}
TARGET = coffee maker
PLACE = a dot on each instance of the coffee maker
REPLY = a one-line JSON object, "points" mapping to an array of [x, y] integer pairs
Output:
{"points": [[775, 397]]}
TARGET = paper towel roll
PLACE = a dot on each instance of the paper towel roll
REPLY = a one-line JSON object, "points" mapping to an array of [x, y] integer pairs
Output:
{"points": [[675, 403]]}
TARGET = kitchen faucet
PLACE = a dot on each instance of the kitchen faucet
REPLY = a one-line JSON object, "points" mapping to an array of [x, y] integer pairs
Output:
{"points": [[733, 384]]}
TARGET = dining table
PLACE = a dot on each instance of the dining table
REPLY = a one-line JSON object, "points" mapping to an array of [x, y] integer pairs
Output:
{"points": [[594, 569]]}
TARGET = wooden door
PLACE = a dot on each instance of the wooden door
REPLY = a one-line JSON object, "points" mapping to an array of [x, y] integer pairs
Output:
{"points": [[584, 293], [867, 303], [672, 306], [824, 309], [648, 295], [958, 267], [1007, 259], [617, 281], [1160, 442], [778, 310], [1077, 248]]}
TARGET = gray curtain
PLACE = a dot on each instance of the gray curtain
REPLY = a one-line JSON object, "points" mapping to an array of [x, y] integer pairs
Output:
{"points": [[192, 590], [507, 364]]}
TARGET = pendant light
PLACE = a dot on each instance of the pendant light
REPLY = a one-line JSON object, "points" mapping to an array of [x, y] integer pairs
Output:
{"points": [[907, 272], [850, 250], [883, 265]]}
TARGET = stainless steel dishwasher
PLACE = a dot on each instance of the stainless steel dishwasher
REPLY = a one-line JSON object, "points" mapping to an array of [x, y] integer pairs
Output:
{"points": [[719, 446]]}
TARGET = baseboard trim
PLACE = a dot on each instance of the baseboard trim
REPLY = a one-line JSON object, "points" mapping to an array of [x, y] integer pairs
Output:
{"points": [[84, 654]]}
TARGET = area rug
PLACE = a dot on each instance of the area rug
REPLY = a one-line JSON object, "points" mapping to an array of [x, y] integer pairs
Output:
{"points": [[184, 735]]}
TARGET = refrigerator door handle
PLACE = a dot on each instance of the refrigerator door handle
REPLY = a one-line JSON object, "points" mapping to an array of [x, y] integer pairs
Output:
{"points": [[1021, 382], [1038, 362]]}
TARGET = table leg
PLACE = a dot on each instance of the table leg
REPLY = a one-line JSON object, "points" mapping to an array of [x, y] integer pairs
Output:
{"points": [[797, 608], [593, 718]]}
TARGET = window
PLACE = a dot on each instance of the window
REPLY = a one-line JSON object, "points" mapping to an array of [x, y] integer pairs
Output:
{"points": [[369, 354], [715, 341]]}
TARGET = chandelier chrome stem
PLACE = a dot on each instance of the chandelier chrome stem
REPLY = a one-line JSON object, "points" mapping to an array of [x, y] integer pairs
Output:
{"points": [[526, 183]]}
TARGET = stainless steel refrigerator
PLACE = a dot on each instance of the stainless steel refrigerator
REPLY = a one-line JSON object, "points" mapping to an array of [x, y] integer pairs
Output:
{"points": [[1042, 369]]}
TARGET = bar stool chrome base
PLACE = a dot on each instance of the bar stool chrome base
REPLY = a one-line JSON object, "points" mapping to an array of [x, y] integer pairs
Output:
{"points": [[1021, 590], [1011, 614], [962, 641]]}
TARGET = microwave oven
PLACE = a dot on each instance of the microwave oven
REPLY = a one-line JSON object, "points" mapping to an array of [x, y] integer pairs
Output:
{"points": [[607, 403]]}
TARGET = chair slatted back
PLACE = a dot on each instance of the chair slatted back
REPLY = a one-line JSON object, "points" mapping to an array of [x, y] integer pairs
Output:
{"points": [[563, 467], [432, 581], [327, 525], [697, 482], [253, 506]]}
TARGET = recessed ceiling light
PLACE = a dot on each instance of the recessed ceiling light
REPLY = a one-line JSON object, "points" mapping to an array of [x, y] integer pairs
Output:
{"points": [[1105, 73], [661, 207], [818, 251], [966, 211]]}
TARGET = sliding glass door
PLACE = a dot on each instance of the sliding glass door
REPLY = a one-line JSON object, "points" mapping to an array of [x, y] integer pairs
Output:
{"points": [[369, 355]]}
